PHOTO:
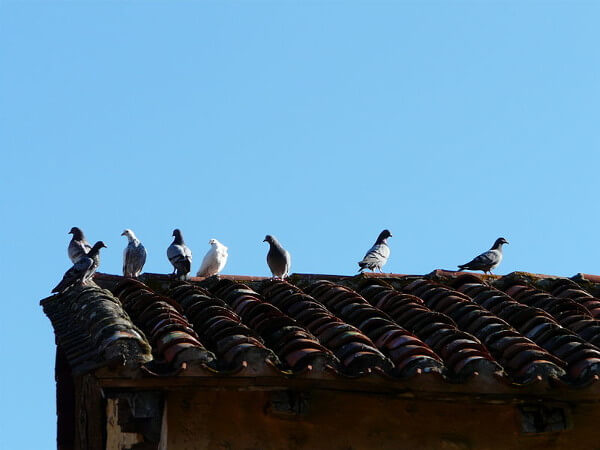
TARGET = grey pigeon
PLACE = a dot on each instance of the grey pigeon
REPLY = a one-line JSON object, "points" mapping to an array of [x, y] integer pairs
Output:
{"points": [[278, 258], [134, 255], [487, 261], [81, 271], [377, 255], [179, 255], [78, 246]]}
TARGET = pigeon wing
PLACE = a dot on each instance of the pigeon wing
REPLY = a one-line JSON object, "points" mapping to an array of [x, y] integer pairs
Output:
{"points": [[181, 257], [279, 261], [222, 256], [376, 257], [134, 259], [77, 249], [209, 264], [483, 261], [174, 253], [288, 263], [77, 273]]}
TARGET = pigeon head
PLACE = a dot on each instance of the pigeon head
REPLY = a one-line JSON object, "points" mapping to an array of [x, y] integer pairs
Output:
{"points": [[499, 242], [383, 236], [213, 242], [270, 239], [127, 232], [77, 233], [178, 236], [96, 248]]}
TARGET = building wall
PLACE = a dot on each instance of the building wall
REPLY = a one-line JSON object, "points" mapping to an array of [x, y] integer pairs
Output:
{"points": [[332, 420]]}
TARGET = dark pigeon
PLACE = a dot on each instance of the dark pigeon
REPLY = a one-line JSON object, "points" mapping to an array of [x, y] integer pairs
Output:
{"points": [[78, 246], [377, 255], [278, 258], [487, 261], [180, 256], [134, 255], [82, 270]]}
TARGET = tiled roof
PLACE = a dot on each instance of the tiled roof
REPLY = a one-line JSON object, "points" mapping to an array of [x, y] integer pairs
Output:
{"points": [[94, 331], [518, 329]]}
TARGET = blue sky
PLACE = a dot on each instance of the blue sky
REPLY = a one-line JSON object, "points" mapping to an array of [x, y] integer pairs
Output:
{"points": [[450, 123]]}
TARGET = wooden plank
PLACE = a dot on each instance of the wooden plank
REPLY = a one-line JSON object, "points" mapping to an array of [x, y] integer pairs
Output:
{"points": [[90, 414]]}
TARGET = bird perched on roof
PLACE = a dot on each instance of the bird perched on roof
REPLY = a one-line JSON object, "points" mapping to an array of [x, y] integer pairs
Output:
{"points": [[134, 255], [278, 258], [82, 270], [214, 261], [377, 255], [487, 261], [78, 246], [180, 256]]}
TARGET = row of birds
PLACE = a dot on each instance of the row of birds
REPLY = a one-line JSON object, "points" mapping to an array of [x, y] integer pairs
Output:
{"points": [[86, 258]]}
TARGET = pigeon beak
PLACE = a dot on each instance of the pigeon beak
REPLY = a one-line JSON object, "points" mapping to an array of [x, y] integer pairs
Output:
{"points": [[123, 233]]}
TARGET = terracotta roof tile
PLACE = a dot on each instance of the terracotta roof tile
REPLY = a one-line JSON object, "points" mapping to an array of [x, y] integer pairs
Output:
{"points": [[163, 322], [295, 346], [518, 329], [520, 357], [94, 331]]}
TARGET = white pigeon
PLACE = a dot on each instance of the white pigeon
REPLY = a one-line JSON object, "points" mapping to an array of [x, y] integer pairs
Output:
{"points": [[134, 255], [214, 261]]}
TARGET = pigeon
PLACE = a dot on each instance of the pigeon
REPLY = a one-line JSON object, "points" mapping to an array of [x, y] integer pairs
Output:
{"points": [[134, 255], [180, 256], [278, 258], [214, 261], [377, 255], [487, 261], [78, 246], [82, 270]]}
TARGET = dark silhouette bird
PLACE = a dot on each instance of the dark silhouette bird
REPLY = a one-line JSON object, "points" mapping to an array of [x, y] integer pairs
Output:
{"points": [[82, 270], [377, 255], [180, 256], [134, 255], [78, 246], [278, 258], [487, 261]]}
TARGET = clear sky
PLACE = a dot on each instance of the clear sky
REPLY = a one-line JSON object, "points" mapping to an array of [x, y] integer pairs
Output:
{"points": [[450, 123]]}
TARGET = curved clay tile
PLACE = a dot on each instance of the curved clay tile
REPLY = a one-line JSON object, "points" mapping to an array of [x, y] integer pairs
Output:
{"points": [[567, 312], [522, 358], [565, 288], [220, 328], [93, 330], [171, 335], [295, 346], [355, 350], [408, 354], [462, 353]]}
